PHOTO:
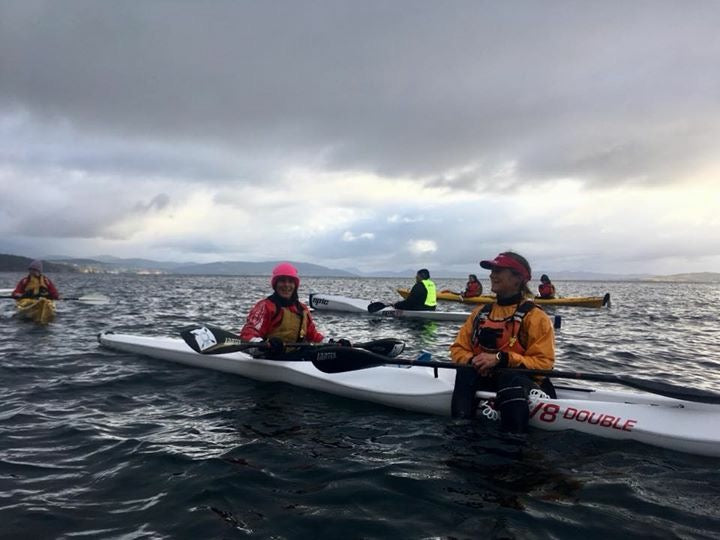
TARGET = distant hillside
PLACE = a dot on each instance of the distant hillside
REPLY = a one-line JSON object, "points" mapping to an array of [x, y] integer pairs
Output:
{"points": [[16, 263], [693, 277], [106, 264], [115, 265], [240, 268]]}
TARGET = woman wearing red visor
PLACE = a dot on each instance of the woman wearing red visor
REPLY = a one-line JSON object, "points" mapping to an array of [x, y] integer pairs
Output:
{"points": [[511, 332]]}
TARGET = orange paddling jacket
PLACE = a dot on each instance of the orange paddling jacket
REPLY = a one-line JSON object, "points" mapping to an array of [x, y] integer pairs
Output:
{"points": [[521, 330]]}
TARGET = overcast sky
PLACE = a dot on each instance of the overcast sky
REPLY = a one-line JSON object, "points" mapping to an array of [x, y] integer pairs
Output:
{"points": [[373, 135]]}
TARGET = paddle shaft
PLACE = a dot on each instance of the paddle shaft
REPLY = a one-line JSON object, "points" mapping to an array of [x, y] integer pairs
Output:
{"points": [[93, 299], [206, 339], [340, 360]]}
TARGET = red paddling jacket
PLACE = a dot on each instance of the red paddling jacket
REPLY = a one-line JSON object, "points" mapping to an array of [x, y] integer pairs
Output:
{"points": [[35, 287], [270, 317]]}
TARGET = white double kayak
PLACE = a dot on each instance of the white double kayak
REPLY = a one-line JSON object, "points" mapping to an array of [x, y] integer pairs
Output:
{"points": [[331, 302], [684, 426]]}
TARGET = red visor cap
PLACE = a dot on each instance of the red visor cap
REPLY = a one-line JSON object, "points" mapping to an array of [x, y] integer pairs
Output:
{"points": [[505, 261]]}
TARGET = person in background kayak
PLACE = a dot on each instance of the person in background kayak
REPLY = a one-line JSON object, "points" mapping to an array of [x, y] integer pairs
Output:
{"points": [[546, 289], [281, 317], [473, 288], [512, 332], [35, 284], [423, 295]]}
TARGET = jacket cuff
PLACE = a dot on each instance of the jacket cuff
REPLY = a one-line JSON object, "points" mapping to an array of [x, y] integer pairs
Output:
{"points": [[504, 359]]}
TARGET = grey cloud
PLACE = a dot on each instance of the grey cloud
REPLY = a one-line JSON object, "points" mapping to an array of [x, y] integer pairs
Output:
{"points": [[406, 88], [158, 202]]}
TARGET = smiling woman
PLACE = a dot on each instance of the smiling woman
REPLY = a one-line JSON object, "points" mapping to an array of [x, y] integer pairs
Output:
{"points": [[511, 332], [281, 317]]}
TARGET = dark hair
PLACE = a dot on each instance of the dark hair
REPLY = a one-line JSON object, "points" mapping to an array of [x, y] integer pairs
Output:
{"points": [[522, 260], [472, 277], [545, 277], [423, 273]]}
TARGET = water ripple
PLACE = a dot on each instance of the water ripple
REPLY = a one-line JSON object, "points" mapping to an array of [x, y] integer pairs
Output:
{"points": [[95, 444]]}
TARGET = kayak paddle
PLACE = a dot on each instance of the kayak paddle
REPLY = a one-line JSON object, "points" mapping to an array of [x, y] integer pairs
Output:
{"points": [[90, 299], [206, 339], [342, 359]]}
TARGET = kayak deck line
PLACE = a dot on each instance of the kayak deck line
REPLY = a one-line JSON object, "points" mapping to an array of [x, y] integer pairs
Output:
{"points": [[665, 422]]}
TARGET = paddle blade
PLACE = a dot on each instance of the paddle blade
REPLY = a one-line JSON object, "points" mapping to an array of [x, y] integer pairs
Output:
{"points": [[206, 339], [389, 347], [342, 359], [93, 299], [374, 307]]}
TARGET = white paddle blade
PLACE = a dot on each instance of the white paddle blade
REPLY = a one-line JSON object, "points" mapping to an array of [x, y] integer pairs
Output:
{"points": [[94, 299]]}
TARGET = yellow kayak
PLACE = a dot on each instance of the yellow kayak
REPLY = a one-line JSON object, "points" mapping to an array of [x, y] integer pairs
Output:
{"points": [[578, 301], [39, 310]]}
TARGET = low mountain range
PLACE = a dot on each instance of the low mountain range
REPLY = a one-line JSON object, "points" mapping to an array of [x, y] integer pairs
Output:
{"points": [[106, 264]]}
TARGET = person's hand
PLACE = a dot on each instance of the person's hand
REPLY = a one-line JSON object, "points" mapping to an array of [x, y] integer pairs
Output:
{"points": [[484, 362], [275, 346], [342, 342]]}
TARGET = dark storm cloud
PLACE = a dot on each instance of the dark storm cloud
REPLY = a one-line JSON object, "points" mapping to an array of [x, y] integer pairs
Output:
{"points": [[609, 92]]}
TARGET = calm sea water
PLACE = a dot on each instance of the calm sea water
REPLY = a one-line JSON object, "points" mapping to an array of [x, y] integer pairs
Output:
{"points": [[97, 444]]}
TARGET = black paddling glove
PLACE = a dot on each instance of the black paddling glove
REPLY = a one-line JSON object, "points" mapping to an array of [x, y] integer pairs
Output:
{"points": [[275, 346]]}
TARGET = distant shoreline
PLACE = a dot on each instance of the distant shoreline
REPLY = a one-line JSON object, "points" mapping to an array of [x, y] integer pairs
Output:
{"points": [[658, 279]]}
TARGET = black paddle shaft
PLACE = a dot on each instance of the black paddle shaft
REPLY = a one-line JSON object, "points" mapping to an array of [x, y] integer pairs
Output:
{"points": [[343, 359], [206, 339]]}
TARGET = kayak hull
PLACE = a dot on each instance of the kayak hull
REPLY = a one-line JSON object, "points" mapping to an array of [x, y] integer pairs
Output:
{"points": [[660, 421], [330, 302], [421, 393], [39, 310], [577, 301]]}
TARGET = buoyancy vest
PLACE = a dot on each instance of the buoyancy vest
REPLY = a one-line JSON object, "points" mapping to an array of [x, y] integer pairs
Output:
{"points": [[493, 335], [431, 298], [36, 287], [546, 290], [473, 288], [288, 325]]}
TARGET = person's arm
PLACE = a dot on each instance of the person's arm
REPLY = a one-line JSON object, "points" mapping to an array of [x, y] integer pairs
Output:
{"points": [[312, 335], [52, 290], [415, 300], [19, 288], [257, 323], [462, 351]]}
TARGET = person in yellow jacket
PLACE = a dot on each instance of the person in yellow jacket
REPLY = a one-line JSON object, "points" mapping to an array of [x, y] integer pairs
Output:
{"points": [[512, 332], [35, 284], [423, 295]]}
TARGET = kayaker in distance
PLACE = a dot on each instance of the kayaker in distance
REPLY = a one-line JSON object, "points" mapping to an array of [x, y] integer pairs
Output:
{"points": [[511, 332], [35, 284], [281, 317], [473, 288], [546, 289], [423, 295]]}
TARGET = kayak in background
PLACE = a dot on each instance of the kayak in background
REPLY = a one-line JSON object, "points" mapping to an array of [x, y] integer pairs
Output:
{"points": [[39, 310], [330, 302], [577, 301], [675, 424]]}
